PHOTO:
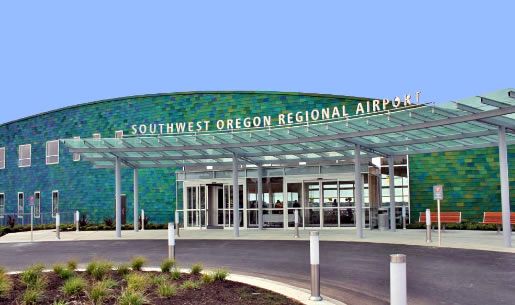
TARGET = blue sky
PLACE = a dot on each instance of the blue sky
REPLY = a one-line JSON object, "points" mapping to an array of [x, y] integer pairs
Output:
{"points": [[60, 53]]}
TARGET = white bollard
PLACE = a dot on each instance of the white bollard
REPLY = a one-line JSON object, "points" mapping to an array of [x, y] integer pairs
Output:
{"points": [[171, 240], [177, 223], [77, 217], [428, 226], [31, 223], [398, 293], [142, 220], [314, 257], [296, 224], [57, 226], [404, 217]]}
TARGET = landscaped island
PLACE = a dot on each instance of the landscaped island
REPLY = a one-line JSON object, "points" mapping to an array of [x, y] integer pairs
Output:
{"points": [[103, 283]]}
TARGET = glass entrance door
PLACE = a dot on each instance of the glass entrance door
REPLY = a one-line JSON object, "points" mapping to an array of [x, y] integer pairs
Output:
{"points": [[227, 207], [196, 207]]}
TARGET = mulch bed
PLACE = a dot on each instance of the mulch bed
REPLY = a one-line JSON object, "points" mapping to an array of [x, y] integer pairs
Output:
{"points": [[216, 293]]}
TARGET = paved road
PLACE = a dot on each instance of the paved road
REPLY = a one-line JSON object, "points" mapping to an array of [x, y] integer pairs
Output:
{"points": [[355, 273]]}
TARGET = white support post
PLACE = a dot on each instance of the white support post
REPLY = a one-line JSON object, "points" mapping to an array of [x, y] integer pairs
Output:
{"points": [[428, 226], [77, 221], [136, 201], [142, 220], [260, 195], [505, 187], [31, 222], [118, 198], [391, 178], [57, 226], [398, 291], [176, 220], [171, 240], [358, 189], [235, 196]]}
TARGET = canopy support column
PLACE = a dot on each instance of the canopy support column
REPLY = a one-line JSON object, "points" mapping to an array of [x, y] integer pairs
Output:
{"points": [[118, 198], [391, 179], [358, 189], [136, 201], [260, 195], [235, 196], [505, 187]]}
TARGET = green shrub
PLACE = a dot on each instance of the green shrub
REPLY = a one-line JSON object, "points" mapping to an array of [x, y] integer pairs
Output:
{"points": [[189, 284], [100, 290], [207, 278], [6, 284], [31, 296], [99, 269], [159, 279], [167, 265], [175, 274], [123, 269], [59, 302], [32, 277], [73, 286], [166, 290], [138, 262], [129, 297], [220, 274], [196, 268], [62, 271], [138, 282], [72, 264], [2, 270]]}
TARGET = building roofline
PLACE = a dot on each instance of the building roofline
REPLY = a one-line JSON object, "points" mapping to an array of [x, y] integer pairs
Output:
{"points": [[181, 93]]}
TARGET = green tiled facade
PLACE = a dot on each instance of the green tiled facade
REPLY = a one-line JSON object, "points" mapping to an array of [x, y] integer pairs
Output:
{"points": [[470, 179], [91, 191]]}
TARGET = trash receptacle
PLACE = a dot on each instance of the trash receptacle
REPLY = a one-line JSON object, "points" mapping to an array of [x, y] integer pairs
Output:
{"points": [[382, 219]]}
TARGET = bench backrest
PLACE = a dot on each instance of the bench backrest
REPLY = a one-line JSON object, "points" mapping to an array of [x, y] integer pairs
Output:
{"points": [[496, 217], [445, 217]]}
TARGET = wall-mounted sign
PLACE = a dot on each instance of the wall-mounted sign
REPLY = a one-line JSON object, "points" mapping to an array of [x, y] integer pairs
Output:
{"points": [[282, 119]]}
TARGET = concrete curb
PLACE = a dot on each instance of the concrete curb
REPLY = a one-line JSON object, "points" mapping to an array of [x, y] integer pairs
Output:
{"points": [[298, 294]]}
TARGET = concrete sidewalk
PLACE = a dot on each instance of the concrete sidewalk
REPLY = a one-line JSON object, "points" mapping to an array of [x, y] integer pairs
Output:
{"points": [[477, 240]]}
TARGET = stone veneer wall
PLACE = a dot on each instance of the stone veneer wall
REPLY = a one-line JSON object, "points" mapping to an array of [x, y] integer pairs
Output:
{"points": [[470, 180]]}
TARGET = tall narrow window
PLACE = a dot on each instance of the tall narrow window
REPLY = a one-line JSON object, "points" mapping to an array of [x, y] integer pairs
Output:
{"points": [[37, 204], [2, 205], [96, 136], [55, 203], [118, 134], [76, 156], [52, 152], [20, 205], [24, 155], [2, 157]]}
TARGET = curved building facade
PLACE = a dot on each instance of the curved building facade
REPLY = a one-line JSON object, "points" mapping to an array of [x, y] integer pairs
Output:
{"points": [[36, 167]]}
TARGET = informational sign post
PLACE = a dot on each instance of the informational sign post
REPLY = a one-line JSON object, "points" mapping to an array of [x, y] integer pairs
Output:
{"points": [[438, 195]]}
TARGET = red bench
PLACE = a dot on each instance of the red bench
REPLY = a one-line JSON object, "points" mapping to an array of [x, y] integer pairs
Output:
{"points": [[445, 217], [496, 218]]}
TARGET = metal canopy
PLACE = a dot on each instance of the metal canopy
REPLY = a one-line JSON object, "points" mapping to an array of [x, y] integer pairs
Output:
{"points": [[467, 124]]}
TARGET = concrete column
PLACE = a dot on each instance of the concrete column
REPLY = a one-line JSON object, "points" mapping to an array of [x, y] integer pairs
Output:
{"points": [[118, 198], [358, 190], [235, 196], [391, 175], [136, 201], [260, 196], [505, 187]]}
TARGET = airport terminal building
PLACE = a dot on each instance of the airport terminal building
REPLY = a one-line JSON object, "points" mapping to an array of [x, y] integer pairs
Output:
{"points": [[339, 160]]}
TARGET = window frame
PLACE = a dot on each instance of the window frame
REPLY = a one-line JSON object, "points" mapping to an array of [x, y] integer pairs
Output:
{"points": [[50, 156], [2, 160], [22, 204], [76, 154], [53, 203], [38, 214], [29, 158], [2, 205]]}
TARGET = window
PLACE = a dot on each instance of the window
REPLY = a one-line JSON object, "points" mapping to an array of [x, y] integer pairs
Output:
{"points": [[76, 156], [52, 152], [2, 205], [96, 136], [118, 134], [55, 203], [24, 155], [20, 205], [2, 157], [37, 204]]}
